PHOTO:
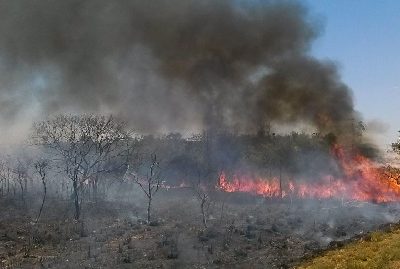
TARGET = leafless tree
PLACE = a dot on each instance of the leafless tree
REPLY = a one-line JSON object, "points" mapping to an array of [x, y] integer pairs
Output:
{"points": [[82, 145], [20, 172], [203, 197], [150, 184], [5, 177], [41, 168], [396, 146]]}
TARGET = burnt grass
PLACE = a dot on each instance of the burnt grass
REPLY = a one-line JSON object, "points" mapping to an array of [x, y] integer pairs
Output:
{"points": [[244, 231]]}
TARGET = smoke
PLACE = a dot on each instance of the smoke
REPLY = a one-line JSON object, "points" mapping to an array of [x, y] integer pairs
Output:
{"points": [[168, 65]]}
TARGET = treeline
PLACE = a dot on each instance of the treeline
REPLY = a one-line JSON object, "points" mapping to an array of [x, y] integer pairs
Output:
{"points": [[204, 156], [79, 157]]}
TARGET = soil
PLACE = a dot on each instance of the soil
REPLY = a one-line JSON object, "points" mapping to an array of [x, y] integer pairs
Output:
{"points": [[243, 231]]}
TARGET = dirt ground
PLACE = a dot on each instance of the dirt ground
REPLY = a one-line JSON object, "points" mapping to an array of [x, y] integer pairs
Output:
{"points": [[243, 231]]}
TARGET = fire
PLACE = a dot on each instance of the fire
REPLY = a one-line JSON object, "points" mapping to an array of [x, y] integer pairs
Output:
{"points": [[362, 180]]}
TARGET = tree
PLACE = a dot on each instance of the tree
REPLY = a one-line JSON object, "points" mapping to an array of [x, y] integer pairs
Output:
{"points": [[41, 168], [5, 177], [396, 146], [204, 199], [83, 146], [20, 171], [150, 184]]}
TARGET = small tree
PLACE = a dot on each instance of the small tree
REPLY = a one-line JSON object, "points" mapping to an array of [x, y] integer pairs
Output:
{"points": [[396, 146], [82, 146], [5, 177], [20, 171], [150, 184], [41, 168], [204, 199]]}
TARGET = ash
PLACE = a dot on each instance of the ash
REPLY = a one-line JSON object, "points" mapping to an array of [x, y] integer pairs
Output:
{"points": [[243, 231]]}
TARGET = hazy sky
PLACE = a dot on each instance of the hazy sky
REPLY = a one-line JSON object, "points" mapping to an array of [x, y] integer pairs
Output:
{"points": [[363, 37], [39, 76]]}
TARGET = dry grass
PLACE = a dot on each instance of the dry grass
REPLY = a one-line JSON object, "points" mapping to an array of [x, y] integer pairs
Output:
{"points": [[379, 250]]}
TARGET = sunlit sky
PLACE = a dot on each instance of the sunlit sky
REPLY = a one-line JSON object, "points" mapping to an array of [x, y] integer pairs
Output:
{"points": [[363, 38]]}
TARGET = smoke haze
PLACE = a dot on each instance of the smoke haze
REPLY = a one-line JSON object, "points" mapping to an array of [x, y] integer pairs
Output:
{"points": [[168, 65]]}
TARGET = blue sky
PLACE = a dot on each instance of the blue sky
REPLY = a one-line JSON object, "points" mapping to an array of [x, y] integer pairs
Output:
{"points": [[363, 38]]}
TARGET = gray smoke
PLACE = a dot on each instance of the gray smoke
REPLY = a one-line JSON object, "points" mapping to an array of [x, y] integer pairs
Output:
{"points": [[165, 65]]}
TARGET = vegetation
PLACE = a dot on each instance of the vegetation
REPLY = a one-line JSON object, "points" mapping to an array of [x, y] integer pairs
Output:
{"points": [[91, 153], [379, 250], [396, 146], [150, 184], [87, 187], [84, 146]]}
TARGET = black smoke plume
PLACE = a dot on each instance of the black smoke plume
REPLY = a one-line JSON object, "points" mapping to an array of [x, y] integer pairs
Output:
{"points": [[169, 65]]}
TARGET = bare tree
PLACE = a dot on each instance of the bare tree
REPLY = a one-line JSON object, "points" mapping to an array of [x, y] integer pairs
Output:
{"points": [[203, 197], [41, 167], [83, 145], [5, 177], [396, 146], [150, 184], [20, 171]]}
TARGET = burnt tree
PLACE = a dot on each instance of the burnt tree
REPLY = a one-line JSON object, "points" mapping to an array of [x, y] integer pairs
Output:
{"points": [[396, 146], [5, 178], [20, 172], [204, 200], [150, 184], [41, 168], [83, 146]]}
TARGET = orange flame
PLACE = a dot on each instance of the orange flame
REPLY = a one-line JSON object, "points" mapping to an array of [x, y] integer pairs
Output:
{"points": [[362, 180]]}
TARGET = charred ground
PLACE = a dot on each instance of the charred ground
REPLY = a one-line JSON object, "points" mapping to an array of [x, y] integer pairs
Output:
{"points": [[96, 216], [243, 232]]}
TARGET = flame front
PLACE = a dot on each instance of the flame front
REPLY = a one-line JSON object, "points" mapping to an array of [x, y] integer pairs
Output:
{"points": [[362, 180]]}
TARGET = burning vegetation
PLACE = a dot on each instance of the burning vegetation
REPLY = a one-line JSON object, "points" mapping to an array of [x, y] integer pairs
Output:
{"points": [[361, 179], [84, 190], [213, 199]]}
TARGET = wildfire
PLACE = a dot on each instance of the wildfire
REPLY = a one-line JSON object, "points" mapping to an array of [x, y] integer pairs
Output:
{"points": [[362, 180]]}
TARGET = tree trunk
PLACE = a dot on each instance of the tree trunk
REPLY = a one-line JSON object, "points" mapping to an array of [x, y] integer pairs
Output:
{"points": [[203, 213], [95, 190], [76, 200], [22, 190], [280, 181], [149, 210], [26, 184], [44, 199]]}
